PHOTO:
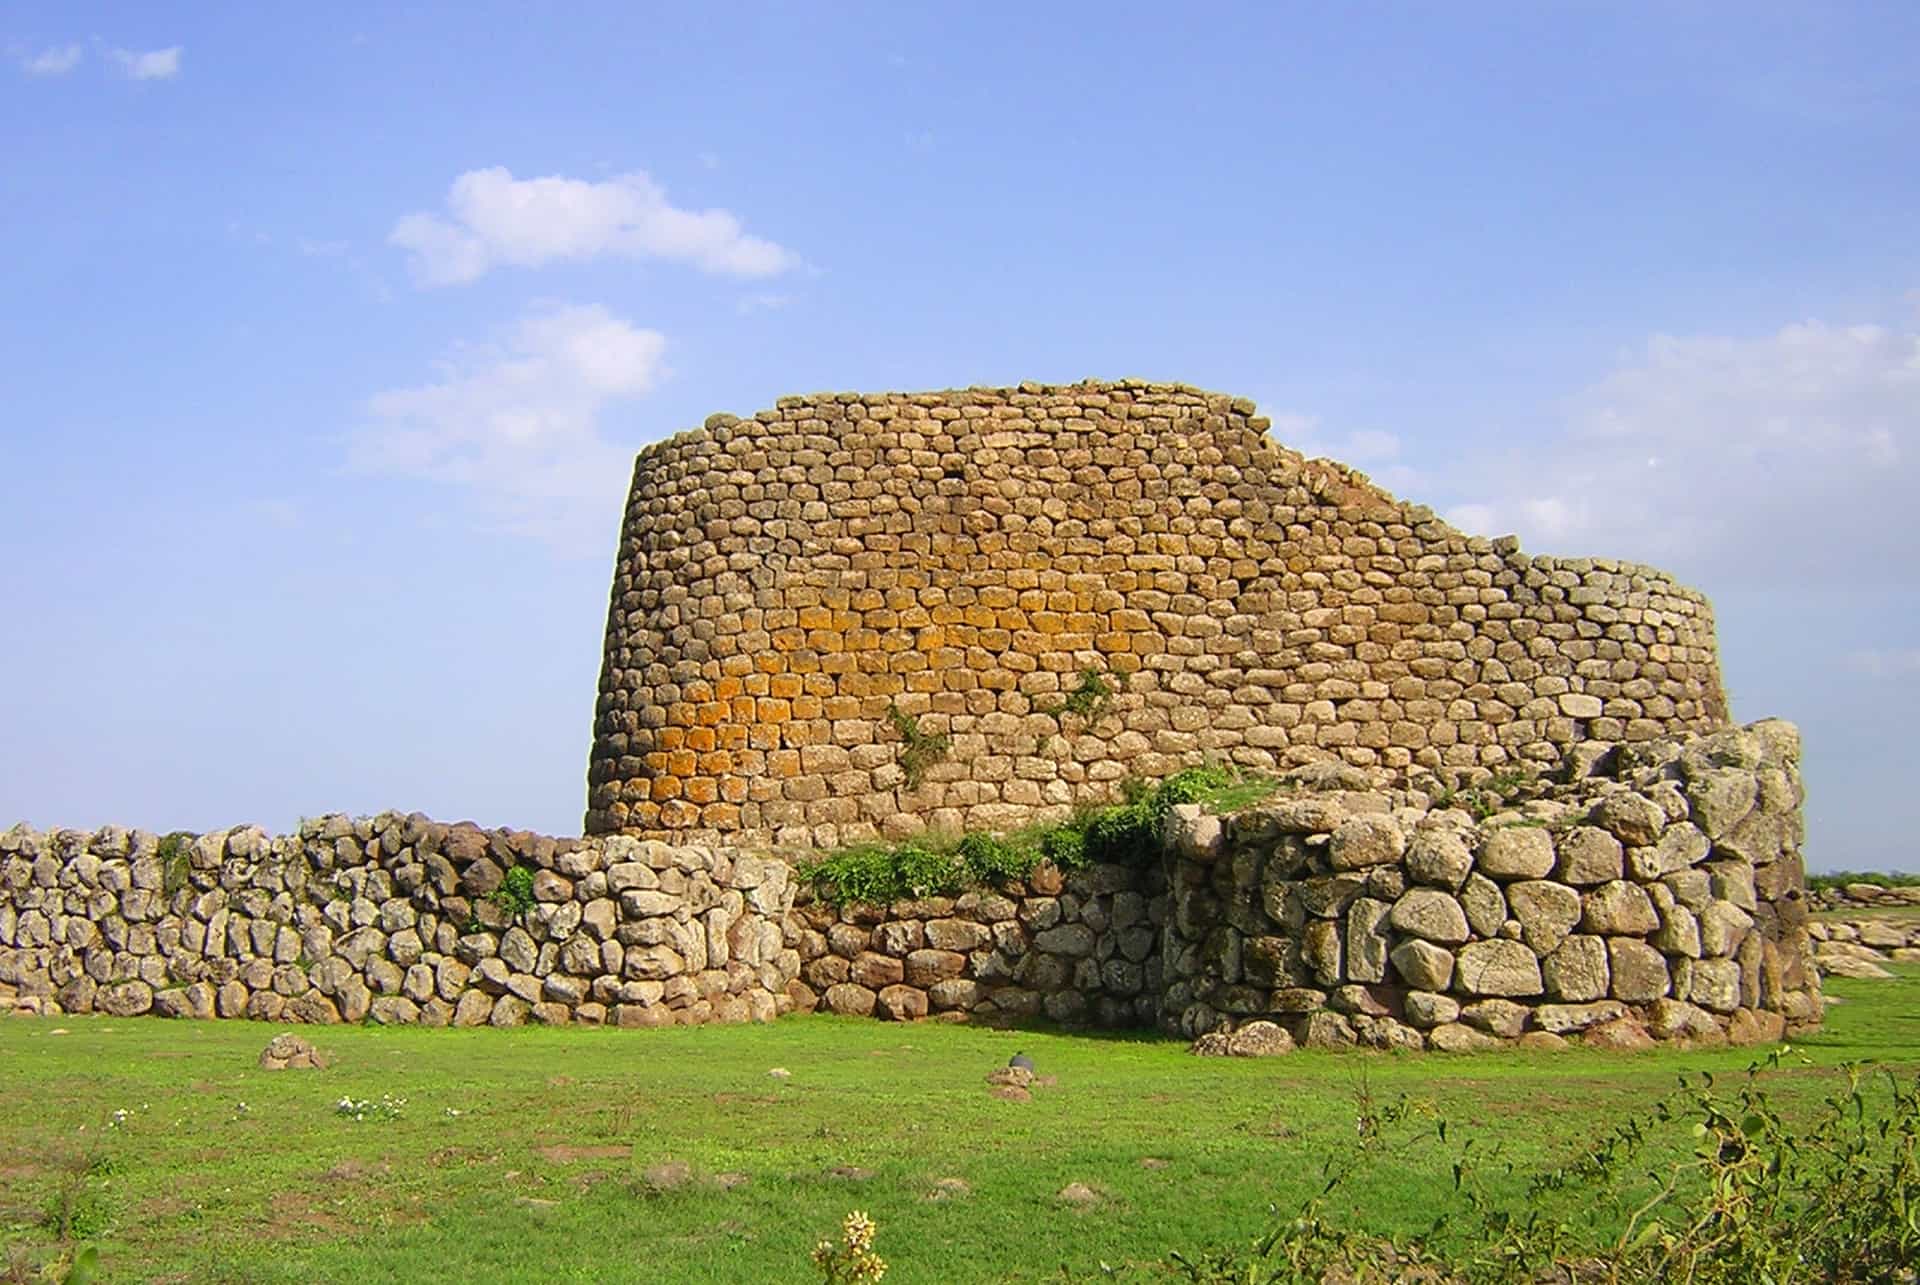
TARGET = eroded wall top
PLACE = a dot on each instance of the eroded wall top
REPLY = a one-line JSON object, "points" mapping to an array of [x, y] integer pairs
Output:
{"points": [[794, 589]]}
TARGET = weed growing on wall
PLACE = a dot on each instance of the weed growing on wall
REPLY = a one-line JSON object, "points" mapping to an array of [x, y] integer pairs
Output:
{"points": [[515, 893], [1087, 701], [919, 750], [174, 866], [1127, 833]]}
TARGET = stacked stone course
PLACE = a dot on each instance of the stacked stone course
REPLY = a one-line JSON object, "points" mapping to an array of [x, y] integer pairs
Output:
{"points": [[965, 556], [394, 918], [1664, 895], [1079, 948]]}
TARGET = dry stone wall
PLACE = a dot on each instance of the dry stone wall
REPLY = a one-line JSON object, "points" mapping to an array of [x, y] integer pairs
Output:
{"points": [[392, 917], [1078, 948], [1663, 896], [963, 558]]}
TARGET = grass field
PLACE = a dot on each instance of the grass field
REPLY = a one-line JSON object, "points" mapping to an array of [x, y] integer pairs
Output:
{"points": [[604, 1155]]}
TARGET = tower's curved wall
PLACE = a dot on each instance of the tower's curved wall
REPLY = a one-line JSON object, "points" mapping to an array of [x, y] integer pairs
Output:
{"points": [[964, 557]]}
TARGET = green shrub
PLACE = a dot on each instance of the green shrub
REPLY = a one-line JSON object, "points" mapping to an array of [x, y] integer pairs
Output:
{"points": [[1841, 878], [1066, 846], [1126, 833], [175, 869], [919, 750], [1750, 1198], [515, 893]]}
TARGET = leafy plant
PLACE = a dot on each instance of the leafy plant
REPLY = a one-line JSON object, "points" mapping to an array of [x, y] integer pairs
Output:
{"points": [[920, 750], [174, 851], [1840, 878], [1087, 701], [1484, 798], [515, 893], [1752, 1198], [81, 1207], [1125, 833]]}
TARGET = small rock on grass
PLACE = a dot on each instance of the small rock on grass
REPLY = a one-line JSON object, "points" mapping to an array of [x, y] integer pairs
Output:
{"points": [[779, 1073], [291, 1053]]}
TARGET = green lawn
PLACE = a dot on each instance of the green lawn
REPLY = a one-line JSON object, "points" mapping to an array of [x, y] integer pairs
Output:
{"points": [[543, 1172]]}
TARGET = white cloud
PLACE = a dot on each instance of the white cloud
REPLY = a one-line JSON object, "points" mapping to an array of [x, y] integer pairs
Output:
{"points": [[494, 219], [1886, 663], [520, 424], [57, 61], [770, 302], [1787, 456], [1372, 451], [153, 64]]}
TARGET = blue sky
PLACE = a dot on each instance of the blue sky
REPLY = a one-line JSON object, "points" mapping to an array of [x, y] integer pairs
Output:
{"points": [[327, 336]]}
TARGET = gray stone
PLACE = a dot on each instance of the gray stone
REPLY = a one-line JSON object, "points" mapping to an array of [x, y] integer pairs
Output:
{"points": [[1485, 904], [1456, 1037], [1425, 1008], [1723, 927], [1589, 855], [1431, 914], [1715, 985], [1320, 951], [1619, 907], [1631, 818], [1439, 856], [1501, 1017], [1564, 1019], [1721, 799], [1577, 970], [1546, 912], [1325, 896], [1423, 965], [1326, 1029], [1503, 968], [1259, 1039], [1363, 841], [1366, 940], [1679, 847], [1638, 971], [1517, 852], [1679, 932]]}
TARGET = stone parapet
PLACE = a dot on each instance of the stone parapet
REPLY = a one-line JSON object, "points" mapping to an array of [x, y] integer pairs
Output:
{"points": [[396, 918], [1662, 894]]}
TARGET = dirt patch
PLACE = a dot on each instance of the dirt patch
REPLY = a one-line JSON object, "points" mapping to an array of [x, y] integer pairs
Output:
{"points": [[949, 1189], [292, 1212], [850, 1173], [566, 1154], [1152, 1162], [667, 1174], [351, 1170], [754, 1099]]}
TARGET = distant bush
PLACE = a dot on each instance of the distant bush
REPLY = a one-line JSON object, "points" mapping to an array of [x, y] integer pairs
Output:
{"points": [[1841, 878], [1126, 833]]}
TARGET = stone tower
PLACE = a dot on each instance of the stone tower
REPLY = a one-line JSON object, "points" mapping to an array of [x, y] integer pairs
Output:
{"points": [[1052, 588]]}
